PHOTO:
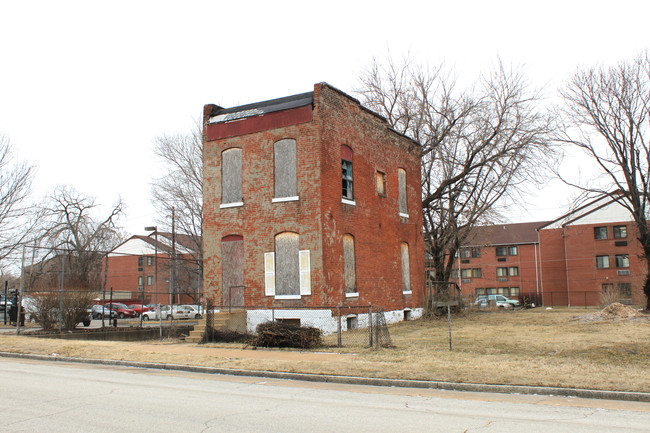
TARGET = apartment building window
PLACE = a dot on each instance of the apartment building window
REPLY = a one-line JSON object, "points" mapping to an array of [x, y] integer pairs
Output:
{"points": [[471, 273], [602, 262], [600, 232], [465, 253], [513, 251], [505, 291], [380, 179], [514, 292], [513, 271], [490, 291], [231, 183], [479, 291], [401, 183], [622, 261], [286, 184], [140, 262], [347, 192], [502, 272], [406, 268], [149, 261], [476, 253], [140, 281], [502, 251], [625, 290], [620, 232], [149, 280], [349, 271]]}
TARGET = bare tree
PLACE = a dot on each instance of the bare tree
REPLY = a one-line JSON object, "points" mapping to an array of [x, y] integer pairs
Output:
{"points": [[181, 189], [606, 115], [478, 145], [15, 186], [71, 232]]}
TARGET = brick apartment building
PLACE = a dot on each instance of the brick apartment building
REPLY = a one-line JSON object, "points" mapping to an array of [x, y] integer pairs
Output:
{"points": [[586, 257], [132, 265], [311, 201], [589, 252], [500, 259]]}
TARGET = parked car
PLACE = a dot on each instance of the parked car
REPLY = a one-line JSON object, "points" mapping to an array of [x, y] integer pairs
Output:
{"points": [[499, 301], [195, 311], [121, 310], [138, 308], [99, 311], [182, 312], [152, 314]]}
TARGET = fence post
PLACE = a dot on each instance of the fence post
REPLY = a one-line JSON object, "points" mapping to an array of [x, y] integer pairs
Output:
{"points": [[370, 322], [272, 314], [338, 326]]}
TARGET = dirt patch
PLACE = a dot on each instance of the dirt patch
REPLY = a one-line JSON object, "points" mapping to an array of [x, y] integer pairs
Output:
{"points": [[615, 312]]}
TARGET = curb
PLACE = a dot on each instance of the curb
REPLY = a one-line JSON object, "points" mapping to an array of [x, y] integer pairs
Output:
{"points": [[354, 380]]}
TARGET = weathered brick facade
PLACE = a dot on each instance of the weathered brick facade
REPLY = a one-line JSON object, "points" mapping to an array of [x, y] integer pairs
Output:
{"points": [[320, 123]]}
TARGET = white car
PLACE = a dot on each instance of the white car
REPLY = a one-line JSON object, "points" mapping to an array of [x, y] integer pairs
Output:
{"points": [[155, 312], [183, 312]]}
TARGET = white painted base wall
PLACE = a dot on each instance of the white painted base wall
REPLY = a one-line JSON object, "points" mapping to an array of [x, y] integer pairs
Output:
{"points": [[323, 319]]}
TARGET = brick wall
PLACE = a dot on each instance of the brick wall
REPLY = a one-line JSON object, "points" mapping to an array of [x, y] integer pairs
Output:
{"points": [[318, 216]]}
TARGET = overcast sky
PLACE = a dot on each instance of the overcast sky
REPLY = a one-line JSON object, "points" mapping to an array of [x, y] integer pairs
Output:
{"points": [[86, 86]]}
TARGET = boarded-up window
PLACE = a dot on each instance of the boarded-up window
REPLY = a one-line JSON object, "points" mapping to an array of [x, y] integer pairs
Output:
{"points": [[349, 265], [231, 176], [406, 272], [346, 168], [401, 185], [232, 266], [380, 179], [285, 168], [287, 264]]}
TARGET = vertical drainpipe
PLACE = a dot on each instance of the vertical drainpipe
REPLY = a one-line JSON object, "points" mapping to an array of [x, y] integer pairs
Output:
{"points": [[566, 267], [537, 273]]}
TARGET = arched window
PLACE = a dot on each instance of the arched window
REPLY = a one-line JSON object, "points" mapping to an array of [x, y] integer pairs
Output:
{"points": [[231, 191], [286, 185], [287, 269], [349, 265], [406, 272], [346, 168]]}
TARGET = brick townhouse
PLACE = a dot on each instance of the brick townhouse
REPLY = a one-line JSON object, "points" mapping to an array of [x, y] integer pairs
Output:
{"points": [[311, 200], [586, 257]]}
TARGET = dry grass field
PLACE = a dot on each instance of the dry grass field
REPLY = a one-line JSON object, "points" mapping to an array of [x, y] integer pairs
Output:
{"points": [[527, 347]]}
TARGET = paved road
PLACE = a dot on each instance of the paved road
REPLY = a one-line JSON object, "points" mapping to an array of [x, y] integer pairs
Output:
{"points": [[57, 397]]}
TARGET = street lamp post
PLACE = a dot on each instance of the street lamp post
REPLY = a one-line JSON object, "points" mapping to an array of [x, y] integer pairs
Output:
{"points": [[154, 229]]}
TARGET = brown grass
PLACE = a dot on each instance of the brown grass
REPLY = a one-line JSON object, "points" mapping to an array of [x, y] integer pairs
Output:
{"points": [[529, 347]]}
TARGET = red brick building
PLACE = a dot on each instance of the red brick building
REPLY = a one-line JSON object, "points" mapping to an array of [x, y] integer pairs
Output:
{"points": [[501, 259], [311, 200], [591, 253], [589, 256], [132, 266]]}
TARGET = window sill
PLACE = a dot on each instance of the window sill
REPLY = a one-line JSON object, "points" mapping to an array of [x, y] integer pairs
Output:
{"points": [[287, 297], [283, 199], [407, 292], [228, 205], [352, 295], [403, 215], [350, 202]]}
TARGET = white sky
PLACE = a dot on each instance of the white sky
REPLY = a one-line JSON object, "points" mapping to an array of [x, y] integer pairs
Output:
{"points": [[86, 86]]}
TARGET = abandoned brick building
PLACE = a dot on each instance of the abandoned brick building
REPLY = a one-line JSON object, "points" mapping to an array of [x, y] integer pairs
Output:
{"points": [[313, 201]]}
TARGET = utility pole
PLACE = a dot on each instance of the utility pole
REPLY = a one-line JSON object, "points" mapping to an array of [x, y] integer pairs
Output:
{"points": [[173, 267]]}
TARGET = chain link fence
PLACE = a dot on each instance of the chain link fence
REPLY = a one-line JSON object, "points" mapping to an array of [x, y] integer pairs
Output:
{"points": [[341, 326]]}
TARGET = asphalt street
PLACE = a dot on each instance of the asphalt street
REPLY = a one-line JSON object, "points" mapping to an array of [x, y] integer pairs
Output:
{"points": [[61, 397]]}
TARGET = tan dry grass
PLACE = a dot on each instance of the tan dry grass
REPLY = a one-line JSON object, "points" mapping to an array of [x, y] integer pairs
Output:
{"points": [[531, 347]]}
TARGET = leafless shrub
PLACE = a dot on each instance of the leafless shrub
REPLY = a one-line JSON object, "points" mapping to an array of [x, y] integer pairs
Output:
{"points": [[68, 309], [278, 334]]}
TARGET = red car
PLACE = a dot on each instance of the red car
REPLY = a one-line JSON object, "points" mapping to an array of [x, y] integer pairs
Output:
{"points": [[121, 310], [138, 308]]}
